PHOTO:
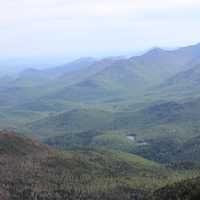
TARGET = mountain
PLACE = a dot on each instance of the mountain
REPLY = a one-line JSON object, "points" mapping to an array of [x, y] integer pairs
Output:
{"points": [[182, 84], [69, 67], [32, 170], [29, 170], [30, 78], [189, 151], [24, 88], [30, 72], [75, 85], [161, 64], [172, 118], [13, 145], [185, 190], [123, 128], [38, 76], [126, 77], [159, 131], [89, 80], [76, 120], [35, 96]]}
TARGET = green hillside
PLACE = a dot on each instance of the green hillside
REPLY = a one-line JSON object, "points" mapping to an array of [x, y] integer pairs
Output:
{"points": [[29, 169], [159, 130], [39, 171], [170, 117], [13, 145], [99, 80], [122, 128], [183, 84], [76, 120], [128, 77], [186, 190], [190, 150]]}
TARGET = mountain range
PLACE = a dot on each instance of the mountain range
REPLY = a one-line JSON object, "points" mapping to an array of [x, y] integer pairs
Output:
{"points": [[112, 128]]}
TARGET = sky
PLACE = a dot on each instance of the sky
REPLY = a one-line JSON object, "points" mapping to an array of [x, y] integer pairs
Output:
{"points": [[78, 28]]}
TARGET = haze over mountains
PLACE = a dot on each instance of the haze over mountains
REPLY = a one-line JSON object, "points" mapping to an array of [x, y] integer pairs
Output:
{"points": [[109, 84], [99, 100], [131, 123], [114, 75]]}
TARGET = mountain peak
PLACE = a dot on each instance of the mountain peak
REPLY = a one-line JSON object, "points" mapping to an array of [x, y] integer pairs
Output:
{"points": [[155, 51], [29, 71]]}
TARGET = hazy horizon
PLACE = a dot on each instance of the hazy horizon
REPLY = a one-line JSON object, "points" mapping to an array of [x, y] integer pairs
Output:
{"points": [[100, 99], [41, 34], [73, 29], [13, 65]]}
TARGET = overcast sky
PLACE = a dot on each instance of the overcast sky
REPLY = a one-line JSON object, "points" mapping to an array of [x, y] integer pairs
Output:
{"points": [[77, 28]]}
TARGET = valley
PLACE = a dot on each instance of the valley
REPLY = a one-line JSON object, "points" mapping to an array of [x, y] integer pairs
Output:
{"points": [[103, 129]]}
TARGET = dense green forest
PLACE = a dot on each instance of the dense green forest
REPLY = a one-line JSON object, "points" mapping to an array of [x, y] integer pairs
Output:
{"points": [[110, 129]]}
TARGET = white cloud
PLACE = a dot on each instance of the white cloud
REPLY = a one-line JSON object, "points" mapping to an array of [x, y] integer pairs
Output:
{"points": [[55, 26], [22, 10]]}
